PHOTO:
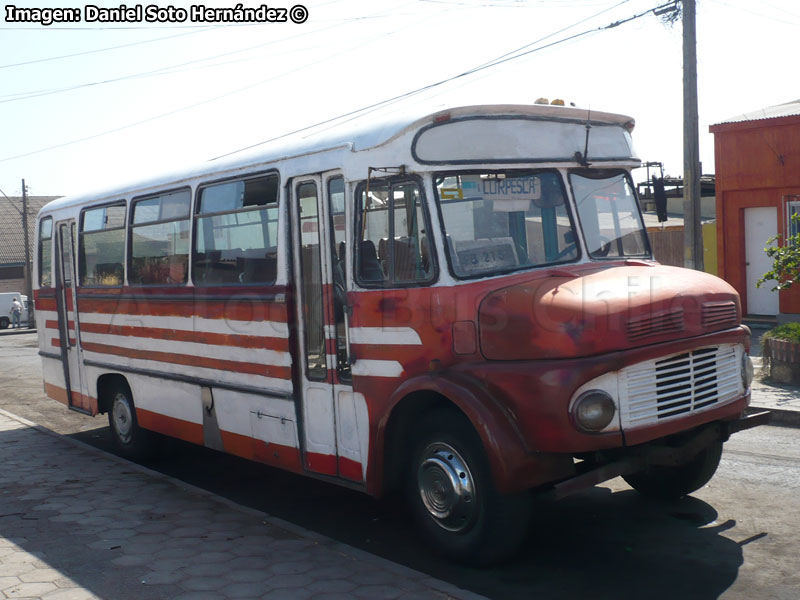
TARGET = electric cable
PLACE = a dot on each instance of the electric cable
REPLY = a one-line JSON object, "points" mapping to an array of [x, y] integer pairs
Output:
{"points": [[513, 55], [507, 57]]}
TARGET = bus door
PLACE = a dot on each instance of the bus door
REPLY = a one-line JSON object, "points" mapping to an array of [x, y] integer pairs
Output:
{"points": [[334, 422], [67, 308]]}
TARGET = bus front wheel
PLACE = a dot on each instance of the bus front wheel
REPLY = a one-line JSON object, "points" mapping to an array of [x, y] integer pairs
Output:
{"points": [[669, 483], [453, 498], [132, 441]]}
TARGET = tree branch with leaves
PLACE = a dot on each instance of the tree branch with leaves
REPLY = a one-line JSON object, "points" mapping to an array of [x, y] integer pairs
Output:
{"points": [[785, 260]]}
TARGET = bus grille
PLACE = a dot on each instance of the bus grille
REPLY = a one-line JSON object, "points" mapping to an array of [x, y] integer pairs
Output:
{"points": [[685, 383]]}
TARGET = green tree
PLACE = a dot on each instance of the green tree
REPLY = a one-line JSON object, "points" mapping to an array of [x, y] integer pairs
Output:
{"points": [[785, 260]]}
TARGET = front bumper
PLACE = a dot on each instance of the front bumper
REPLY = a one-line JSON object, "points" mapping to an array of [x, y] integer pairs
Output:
{"points": [[602, 467], [538, 394]]}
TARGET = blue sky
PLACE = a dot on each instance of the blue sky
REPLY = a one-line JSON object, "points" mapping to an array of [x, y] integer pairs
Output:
{"points": [[144, 97]]}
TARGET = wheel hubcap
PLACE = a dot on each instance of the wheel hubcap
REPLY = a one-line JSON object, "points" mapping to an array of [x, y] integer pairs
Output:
{"points": [[446, 487], [122, 418]]}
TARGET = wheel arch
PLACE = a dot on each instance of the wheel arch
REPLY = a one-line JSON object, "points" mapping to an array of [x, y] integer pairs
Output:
{"points": [[105, 385], [501, 440]]}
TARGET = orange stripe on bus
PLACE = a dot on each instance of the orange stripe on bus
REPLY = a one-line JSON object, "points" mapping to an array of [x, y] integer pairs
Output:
{"points": [[350, 469], [321, 463], [192, 360], [277, 455], [56, 342], [56, 393], [49, 324], [185, 430], [230, 308], [179, 335], [78, 400], [46, 304]]}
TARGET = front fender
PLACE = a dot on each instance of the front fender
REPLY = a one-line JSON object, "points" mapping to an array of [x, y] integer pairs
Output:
{"points": [[513, 467]]}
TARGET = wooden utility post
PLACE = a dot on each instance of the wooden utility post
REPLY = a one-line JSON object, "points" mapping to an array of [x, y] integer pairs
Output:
{"points": [[692, 229], [27, 271]]}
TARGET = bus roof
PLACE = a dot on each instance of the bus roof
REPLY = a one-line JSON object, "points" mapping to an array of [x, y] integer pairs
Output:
{"points": [[345, 136]]}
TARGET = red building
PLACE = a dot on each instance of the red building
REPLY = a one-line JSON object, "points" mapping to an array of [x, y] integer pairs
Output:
{"points": [[758, 189]]}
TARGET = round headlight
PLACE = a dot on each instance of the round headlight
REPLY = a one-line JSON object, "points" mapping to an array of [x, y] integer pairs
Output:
{"points": [[594, 410], [747, 371]]}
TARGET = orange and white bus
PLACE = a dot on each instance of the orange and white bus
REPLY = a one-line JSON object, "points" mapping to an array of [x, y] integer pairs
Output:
{"points": [[463, 306]]}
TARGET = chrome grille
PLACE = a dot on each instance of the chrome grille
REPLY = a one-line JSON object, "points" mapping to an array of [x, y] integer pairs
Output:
{"points": [[640, 327], [679, 385], [719, 313]]}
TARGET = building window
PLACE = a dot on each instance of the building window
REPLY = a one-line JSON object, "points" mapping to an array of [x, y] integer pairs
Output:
{"points": [[160, 239], [12, 272], [792, 216], [236, 239], [102, 246]]}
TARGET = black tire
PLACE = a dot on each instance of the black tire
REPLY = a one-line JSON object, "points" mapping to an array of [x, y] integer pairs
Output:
{"points": [[452, 496], [4, 322], [132, 441], [669, 483]]}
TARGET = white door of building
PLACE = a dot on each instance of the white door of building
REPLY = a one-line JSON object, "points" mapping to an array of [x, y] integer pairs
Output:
{"points": [[760, 224]]}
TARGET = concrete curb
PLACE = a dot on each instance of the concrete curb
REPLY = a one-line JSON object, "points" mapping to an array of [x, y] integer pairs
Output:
{"points": [[781, 417], [447, 589], [16, 331]]}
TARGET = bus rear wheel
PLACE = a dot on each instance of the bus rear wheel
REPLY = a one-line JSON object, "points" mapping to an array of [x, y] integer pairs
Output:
{"points": [[670, 483], [132, 441], [453, 498]]}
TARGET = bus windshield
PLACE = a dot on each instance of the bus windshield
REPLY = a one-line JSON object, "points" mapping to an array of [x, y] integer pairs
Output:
{"points": [[609, 214], [496, 222]]}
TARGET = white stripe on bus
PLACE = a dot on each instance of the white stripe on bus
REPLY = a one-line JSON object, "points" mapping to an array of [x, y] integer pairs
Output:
{"points": [[365, 367], [232, 353], [243, 379], [405, 336], [274, 329]]}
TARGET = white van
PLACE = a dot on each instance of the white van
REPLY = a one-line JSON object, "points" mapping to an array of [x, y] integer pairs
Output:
{"points": [[5, 309]]}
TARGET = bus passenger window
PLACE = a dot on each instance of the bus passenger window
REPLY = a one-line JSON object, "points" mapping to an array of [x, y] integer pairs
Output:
{"points": [[101, 249], [394, 242], [46, 252], [236, 240], [160, 239]]}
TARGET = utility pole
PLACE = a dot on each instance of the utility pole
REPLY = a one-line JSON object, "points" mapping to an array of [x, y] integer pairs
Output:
{"points": [[27, 270], [692, 230]]}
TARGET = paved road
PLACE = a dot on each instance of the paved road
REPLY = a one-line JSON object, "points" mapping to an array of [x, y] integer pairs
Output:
{"points": [[735, 538]]}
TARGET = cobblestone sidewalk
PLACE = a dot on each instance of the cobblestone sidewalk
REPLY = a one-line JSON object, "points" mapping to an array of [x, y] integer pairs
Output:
{"points": [[77, 524]]}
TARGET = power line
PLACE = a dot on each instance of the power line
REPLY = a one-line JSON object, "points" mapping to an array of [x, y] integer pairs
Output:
{"points": [[207, 101], [560, 30], [97, 50], [513, 55], [762, 15], [39, 93], [46, 92]]}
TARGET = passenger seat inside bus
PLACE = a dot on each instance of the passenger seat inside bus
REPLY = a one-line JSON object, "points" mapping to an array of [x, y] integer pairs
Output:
{"points": [[369, 267]]}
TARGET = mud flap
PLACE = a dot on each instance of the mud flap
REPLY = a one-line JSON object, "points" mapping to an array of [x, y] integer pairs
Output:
{"points": [[211, 435]]}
